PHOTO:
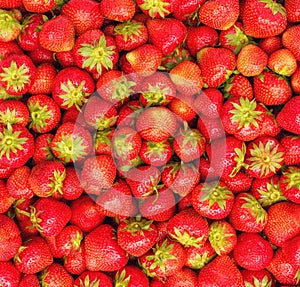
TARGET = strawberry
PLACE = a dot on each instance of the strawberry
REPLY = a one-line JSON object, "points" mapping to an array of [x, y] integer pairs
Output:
{"points": [[288, 40], [17, 145], [42, 149], [17, 74], [130, 35], [292, 10], [283, 222], [219, 14], [55, 275], [72, 188], [72, 87], [222, 237], [211, 128], [103, 141], [188, 11], [97, 173], [247, 214], [241, 182], [90, 278], [132, 276], [212, 200], [295, 81], [188, 228], [9, 275], [251, 60], [291, 146], [30, 280], [159, 9], [86, 55], [258, 278], [57, 34], [85, 15], [44, 113], [33, 256], [74, 263], [200, 37], [263, 18], [39, 6], [270, 44], [185, 276], [287, 118], [289, 184], [252, 251], [10, 239], [118, 11], [136, 235], [10, 25], [71, 143], [85, 213], [156, 124], [183, 107], [14, 112], [5, 199], [172, 254], [282, 62], [220, 271], [187, 77], [10, 4], [7, 48], [216, 65], [238, 86], [41, 55], [102, 252]]}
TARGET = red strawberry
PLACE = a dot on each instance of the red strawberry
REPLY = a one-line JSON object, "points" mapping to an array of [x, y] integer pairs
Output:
{"points": [[74, 263], [103, 141], [288, 116], [252, 251], [132, 276], [291, 145], [283, 222], [6, 200], [10, 4], [14, 112], [72, 188], [57, 34], [185, 276], [238, 86], [44, 112], [39, 6], [216, 65], [263, 18], [102, 252], [55, 275], [33, 256], [85, 15], [90, 278], [72, 87], [247, 214], [219, 14], [7, 48], [10, 239], [42, 149], [289, 184], [9, 275], [288, 40], [292, 10], [258, 278], [188, 228], [118, 11], [270, 44], [30, 280], [161, 9], [10, 25], [187, 10], [241, 182], [220, 271], [41, 55], [183, 107]]}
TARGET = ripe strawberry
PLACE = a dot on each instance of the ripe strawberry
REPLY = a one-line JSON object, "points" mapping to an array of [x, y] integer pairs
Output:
{"points": [[238, 86], [33, 256], [42, 150], [72, 87], [188, 228], [291, 144], [14, 112], [219, 14], [17, 74], [10, 25], [289, 184], [283, 222], [10, 239], [252, 251], [90, 278], [222, 237], [72, 188], [251, 60], [136, 235], [156, 124], [292, 10], [74, 263], [117, 11], [282, 62], [7, 48], [95, 52], [188, 11], [161, 9], [187, 78], [10, 4], [57, 34], [211, 128], [247, 214], [44, 113], [258, 278], [41, 55], [6, 200], [287, 118], [241, 182], [220, 271], [103, 141], [30, 280], [216, 65], [212, 200], [295, 81], [97, 173], [185, 276], [85, 213], [263, 18], [102, 252], [55, 275], [270, 44], [85, 15], [172, 254], [288, 40], [132, 276], [9, 275], [39, 6], [183, 107]]}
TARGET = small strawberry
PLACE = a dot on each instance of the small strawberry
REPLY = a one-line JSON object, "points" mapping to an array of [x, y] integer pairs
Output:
{"points": [[30, 280], [159, 9], [185, 276], [188, 11], [288, 40], [258, 278], [117, 11], [72, 188], [74, 263], [9, 275], [289, 183], [39, 6], [14, 112], [10, 26], [270, 44], [42, 150], [55, 275], [41, 55], [282, 62], [93, 278], [238, 86], [57, 34], [183, 107], [131, 276], [291, 145]]}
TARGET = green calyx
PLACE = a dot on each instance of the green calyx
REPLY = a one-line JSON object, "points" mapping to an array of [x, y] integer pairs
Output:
{"points": [[56, 182], [102, 122], [97, 55], [34, 219], [239, 39], [199, 261], [292, 177], [121, 89], [155, 7], [297, 276], [70, 148], [239, 159], [75, 242], [11, 142], [9, 117], [17, 256], [155, 95], [16, 77], [101, 137], [271, 196], [218, 237], [265, 282], [191, 136], [156, 148], [122, 145], [255, 208], [74, 95], [39, 115], [265, 158], [121, 280], [88, 283], [9, 24], [214, 193], [185, 239], [274, 6], [129, 30], [137, 225], [245, 113]]}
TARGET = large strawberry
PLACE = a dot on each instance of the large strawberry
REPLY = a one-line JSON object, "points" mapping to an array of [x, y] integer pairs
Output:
{"points": [[56, 275], [14, 112], [117, 10], [185, 276], [159, 9], [288, 40]]}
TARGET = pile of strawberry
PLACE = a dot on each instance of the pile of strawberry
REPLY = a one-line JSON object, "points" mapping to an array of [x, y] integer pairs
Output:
{"points": [[149, 143]]}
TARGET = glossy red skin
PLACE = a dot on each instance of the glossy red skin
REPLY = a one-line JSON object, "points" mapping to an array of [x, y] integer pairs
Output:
{"points": [[185, 276], [241, 182], [42, 149], [186, 8], [249, 276], [137, 277], [20, 109], [75, 262], [239, 86], [291, 145], [183, 107], [170, 7], [30, 280], [128, 113], [72, 188], [41, 56], [94, 276], [117, 10], [56, 274], [7, 48], [9, 274], [39, 6], [212, 129]]}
